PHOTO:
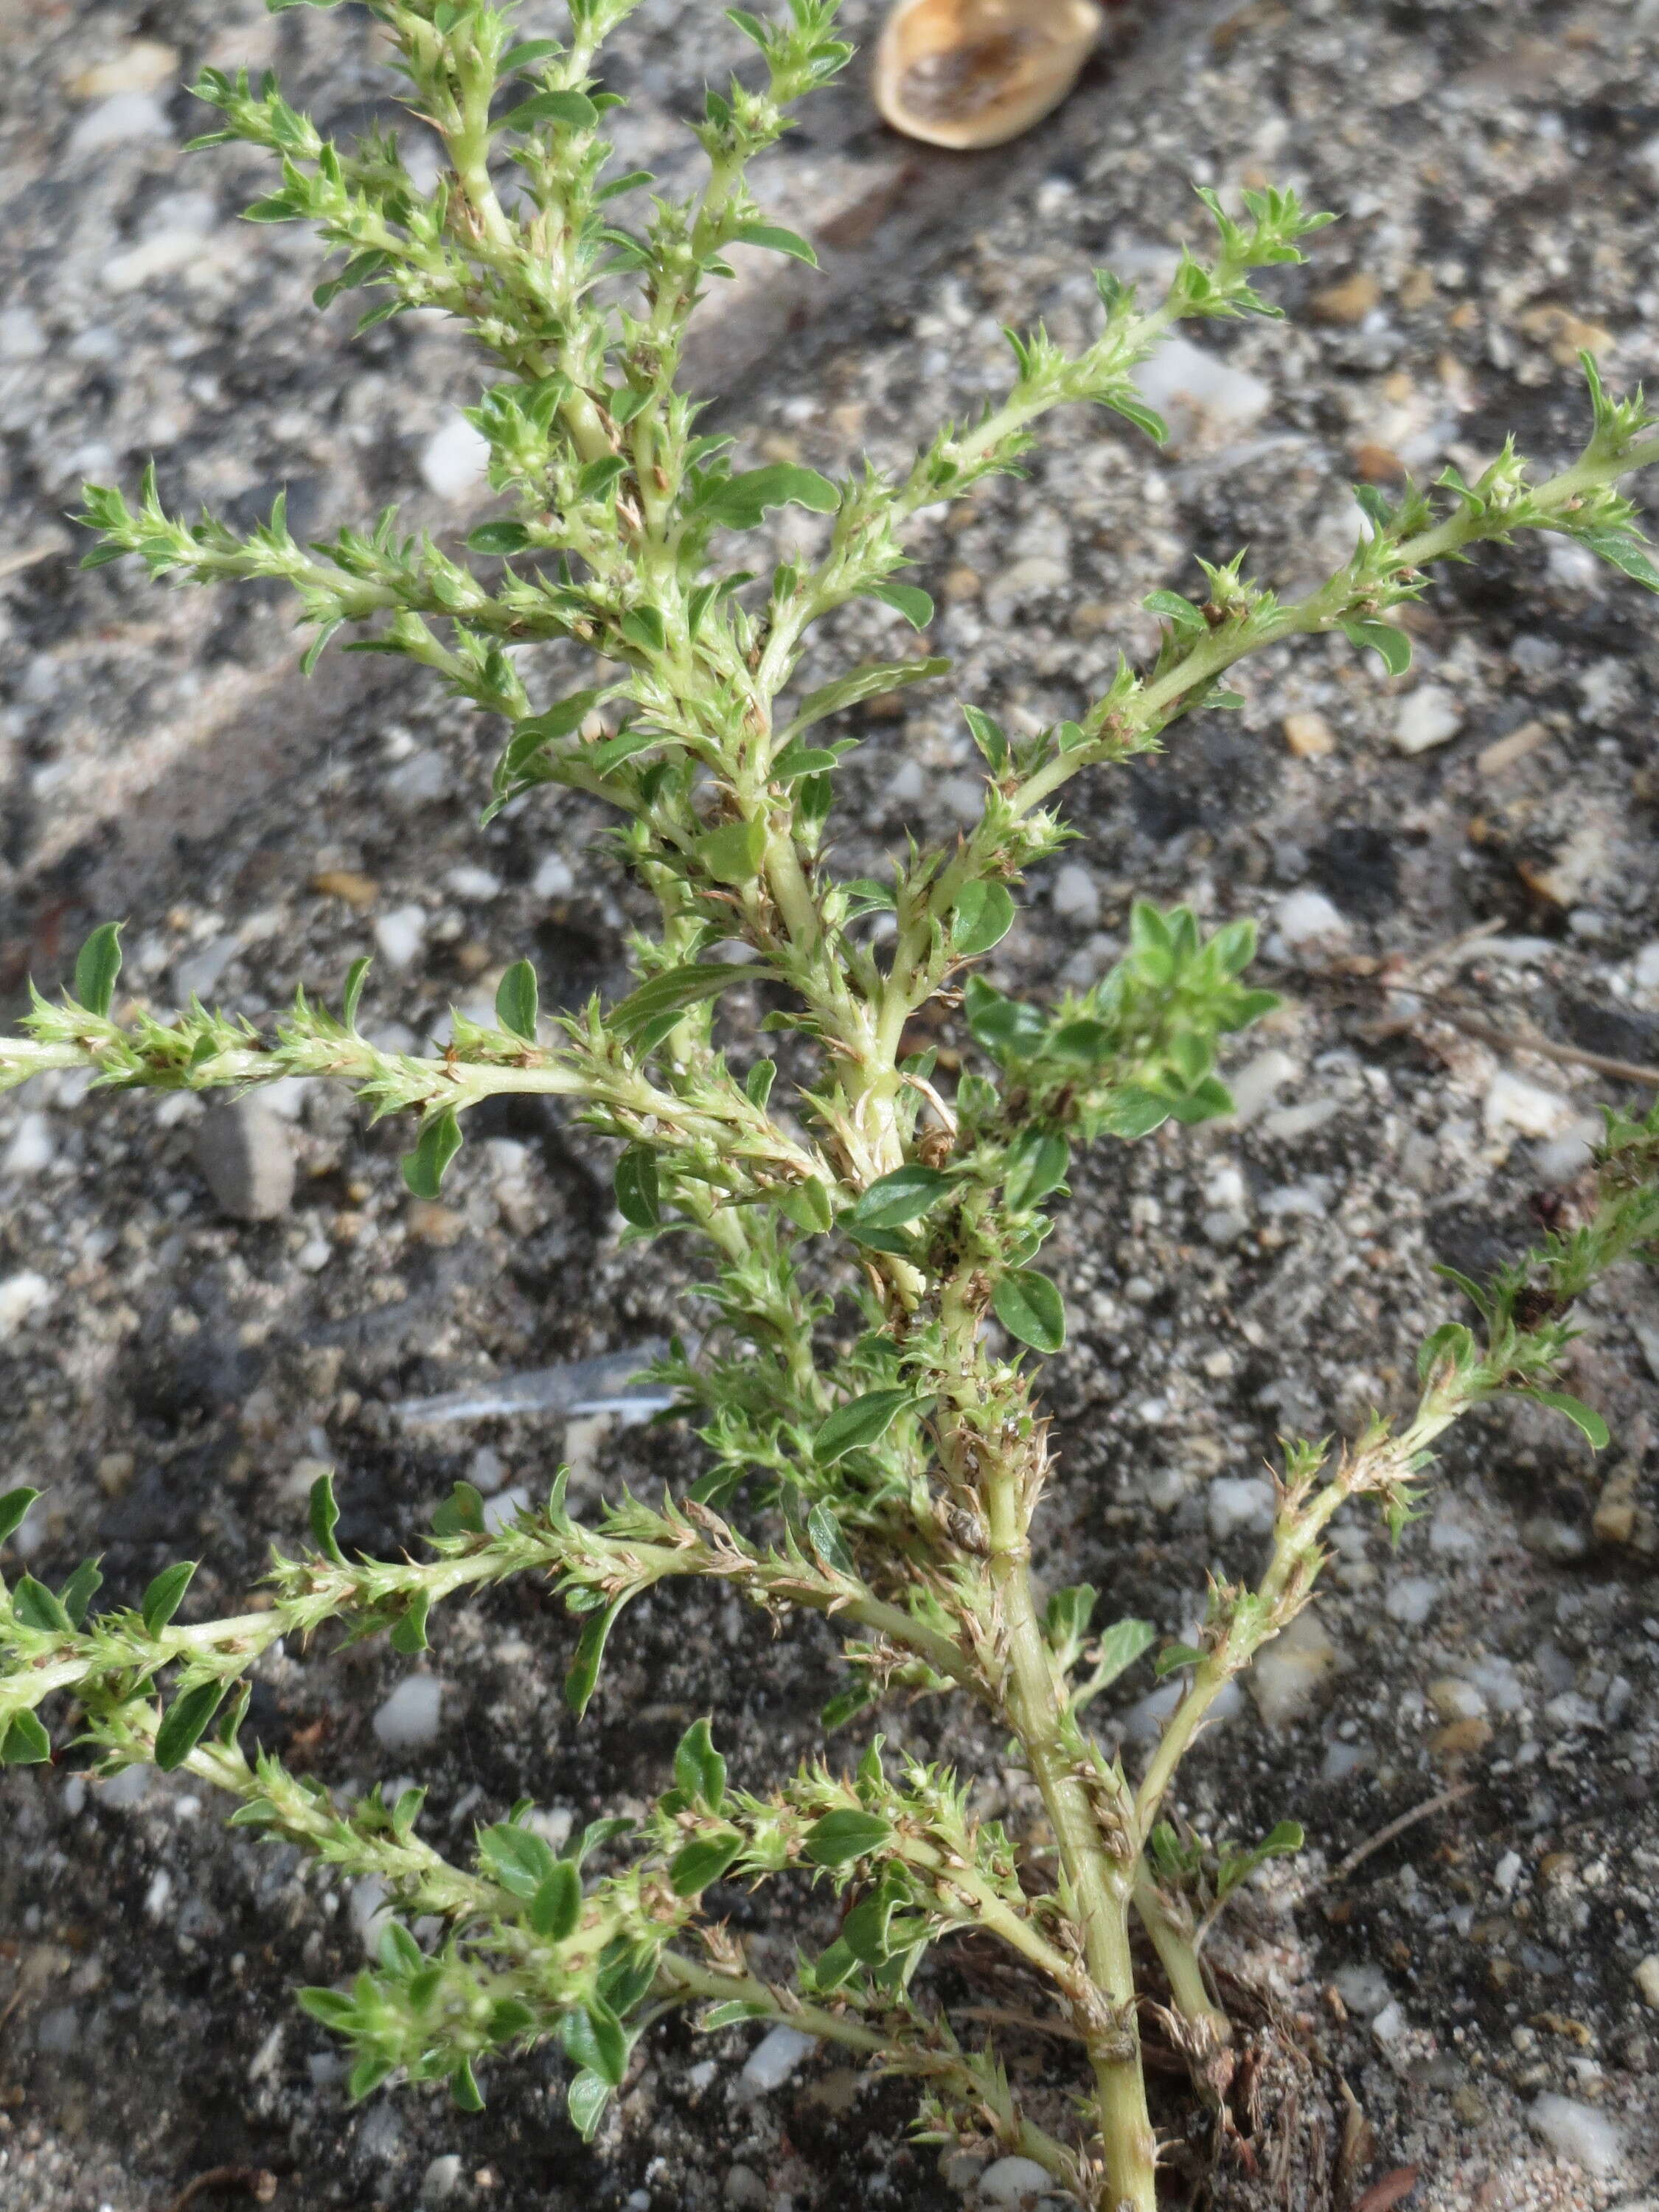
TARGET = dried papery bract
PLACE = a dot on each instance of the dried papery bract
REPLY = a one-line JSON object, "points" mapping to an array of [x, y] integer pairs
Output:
{"points": [[969, 73], [886, 1477]]}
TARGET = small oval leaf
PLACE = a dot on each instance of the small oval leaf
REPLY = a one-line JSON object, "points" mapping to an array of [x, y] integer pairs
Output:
{"points": [[1030, 1308]]}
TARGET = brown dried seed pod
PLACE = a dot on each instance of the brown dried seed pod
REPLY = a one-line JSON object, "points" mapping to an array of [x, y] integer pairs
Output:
{"points": [[966, 73]]}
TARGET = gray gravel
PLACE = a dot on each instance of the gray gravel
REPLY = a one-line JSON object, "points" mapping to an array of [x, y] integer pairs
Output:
{"points": [[1483, 1983]]}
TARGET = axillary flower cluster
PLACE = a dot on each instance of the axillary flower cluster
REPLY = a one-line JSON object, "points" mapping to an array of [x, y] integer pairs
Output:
{"points": [[892, 1486]]}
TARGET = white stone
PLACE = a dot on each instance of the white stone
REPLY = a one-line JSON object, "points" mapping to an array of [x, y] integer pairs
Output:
{"points": [[1012, 2184], [442, 2179], [456, 461], [22, 1296], [1285, 1678], [1390, 2024], [1425, 718], [1364, 1989], [264, 2063], [1076, 896], [124, 117], [1564, 1158], [1195, 391], [1578, 2131], [1307, 918], [1238, 1503], [410, 1716], [1507, 1873], [1311, 1198], [471, 883], [1412, 1599], [1453, 1537], [159, 1895], [21, 337], [1513, 1102], [1647, 1980], [1455, 1699], [1255, 1084], [775, 2058], [369, 1910], [554, 877], [31, 1148], [505, 1507], [400, 934], [1644, 969], [1286, 1123], [487, 1470]]}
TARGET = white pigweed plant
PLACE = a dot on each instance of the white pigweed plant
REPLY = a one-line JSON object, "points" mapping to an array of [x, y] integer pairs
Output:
{"points": [[891, 1487]]}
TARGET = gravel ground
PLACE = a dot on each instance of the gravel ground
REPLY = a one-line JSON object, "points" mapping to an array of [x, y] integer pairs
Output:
{"points": [[175, 1374]]}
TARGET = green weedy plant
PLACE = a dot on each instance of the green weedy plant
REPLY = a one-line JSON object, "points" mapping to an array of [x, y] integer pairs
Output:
{"points": [[893, 1488]]}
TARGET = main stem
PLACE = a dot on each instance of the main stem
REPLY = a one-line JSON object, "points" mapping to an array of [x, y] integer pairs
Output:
{"points": [[1100, 1889]]}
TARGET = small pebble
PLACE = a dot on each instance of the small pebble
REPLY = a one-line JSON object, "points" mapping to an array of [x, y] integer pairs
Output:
{"points": [[1013, 2184], [1237, 1502], [140, 65], [1427, 717], [246, 1158], [1309, 736], [1578, 2131], [1285, 1678], [1349, 301], [442, 2179], [1076, 896], [1197, 390], [400, 934], [1412, 1599], [410, 1716], [1513, 1102], [775, 2058], [22, 1296], [121, 118], [1647, 1980], [32, 1147], [456, 459], [746, 2189], [1308, 918]]}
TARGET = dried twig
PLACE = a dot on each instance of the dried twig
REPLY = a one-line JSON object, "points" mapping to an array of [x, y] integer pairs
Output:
{"points": [[1438, 1803]]}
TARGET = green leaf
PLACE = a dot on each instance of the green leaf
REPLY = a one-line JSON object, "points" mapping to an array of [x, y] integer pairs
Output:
{"points": [[796, 761], [1120, 1647], [583, 1677], [1181, 612], [324, 1515], [97, 964], [529, 49], [983, 915], [638, 1198], [25, 1743], [892, 1200], [574, 111], [859, 1423], [871, 682], [731, 2014], [1007, 1027], [501, 537], [164, 1595], [757, 1085], [461, 1513], [1030, 1308], [1174, 1656], [1391, 645], [185, 1722], [907, 599], [1133, 1112], [990, 737], [13, 1506], [595, 2038], [740, 501], [517, 1858], [705, 1859], [777, 241], [807, 1205], [823, 1534], [585, 2100], [435, 1147], [838, 1838], [356, 977], [1624, 552], [733, 853], [518, 1001], [1583, 1416], [643, 629], [699, 1769], [555, 1909], [1036, 1165], [464, 2091], [672, 992], [407, 1635], [36, 1606]]}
